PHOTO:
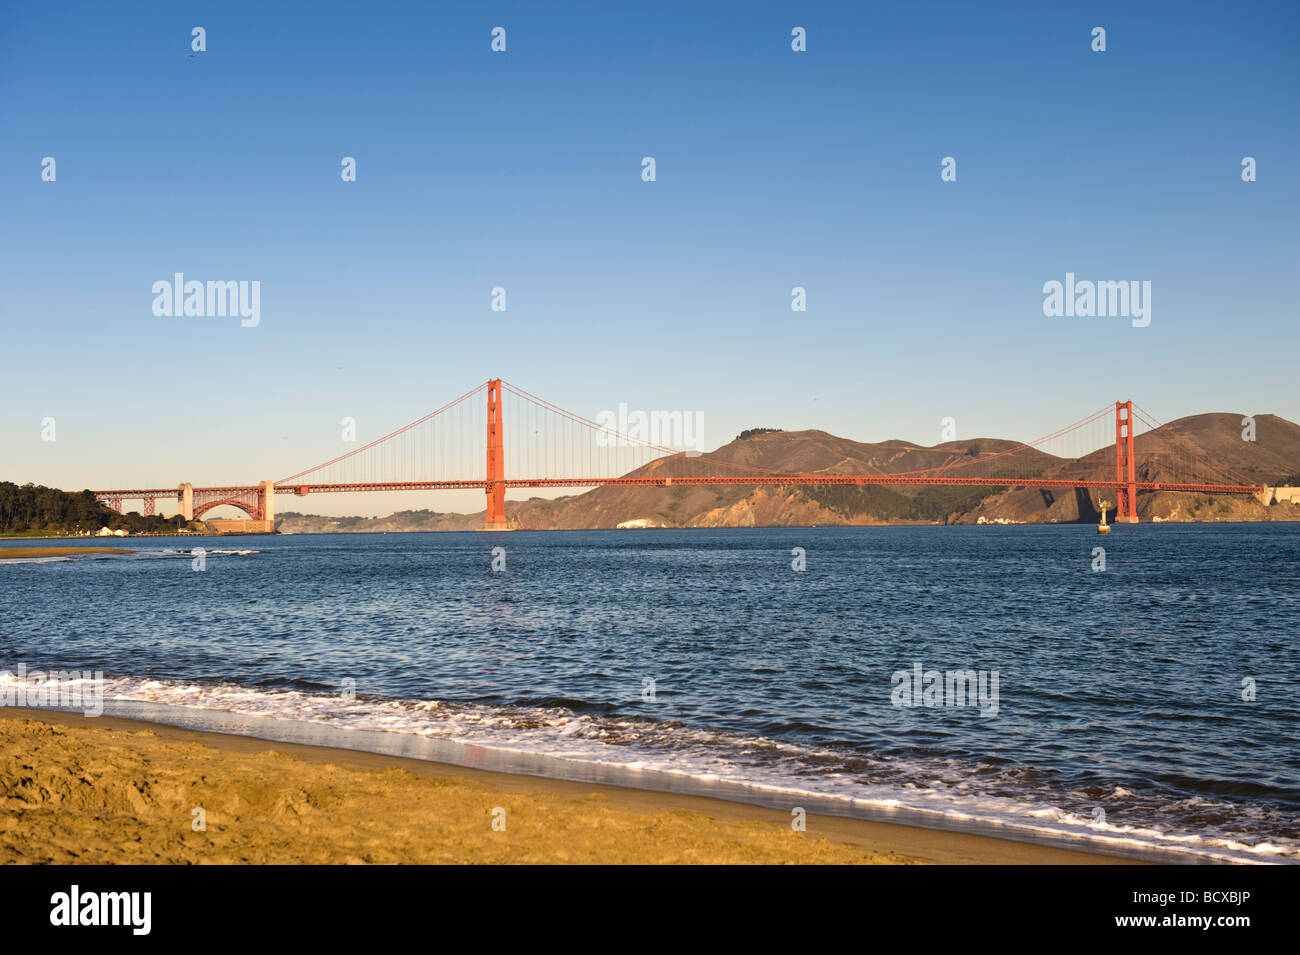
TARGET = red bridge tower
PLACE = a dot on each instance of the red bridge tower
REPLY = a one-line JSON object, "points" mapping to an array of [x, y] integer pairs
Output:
{"points": [[1126, 502], [495, 519]]}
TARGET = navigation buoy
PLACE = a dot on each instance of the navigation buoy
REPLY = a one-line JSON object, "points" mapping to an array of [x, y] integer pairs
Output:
{"points": [[1103, 527]]}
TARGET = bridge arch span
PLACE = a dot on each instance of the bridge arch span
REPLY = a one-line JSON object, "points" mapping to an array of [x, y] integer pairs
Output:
{"points": [[252, 510]]}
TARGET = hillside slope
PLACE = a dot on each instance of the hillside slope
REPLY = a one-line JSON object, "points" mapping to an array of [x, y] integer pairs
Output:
{"points": [[1161, 455], [1212, 443]]}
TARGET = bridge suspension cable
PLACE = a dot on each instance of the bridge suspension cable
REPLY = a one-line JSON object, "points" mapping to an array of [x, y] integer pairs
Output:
{"points": [[498, 435]]}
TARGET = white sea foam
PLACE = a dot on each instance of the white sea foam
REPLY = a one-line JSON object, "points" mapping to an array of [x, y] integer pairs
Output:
{"points": [[132, 555]]}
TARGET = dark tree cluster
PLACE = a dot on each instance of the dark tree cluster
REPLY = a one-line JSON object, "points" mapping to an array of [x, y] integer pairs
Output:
{"points": [[31, 507]]}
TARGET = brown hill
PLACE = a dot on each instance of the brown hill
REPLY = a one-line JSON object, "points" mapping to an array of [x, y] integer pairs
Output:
{"points": [[1205, 448], [807, 452]]}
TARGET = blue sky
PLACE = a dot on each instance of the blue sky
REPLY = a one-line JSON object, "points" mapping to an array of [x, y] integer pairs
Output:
{"points": [[522, 169]]}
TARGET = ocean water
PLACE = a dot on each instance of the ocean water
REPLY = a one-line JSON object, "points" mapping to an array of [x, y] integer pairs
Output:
{"points": [[1148, 709]]}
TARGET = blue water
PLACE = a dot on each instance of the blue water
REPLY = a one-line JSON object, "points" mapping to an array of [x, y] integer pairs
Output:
{"points": [[1120, 715]]}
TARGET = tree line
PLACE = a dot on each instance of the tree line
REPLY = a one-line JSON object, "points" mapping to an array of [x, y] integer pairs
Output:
{"points": [[33, 507]]}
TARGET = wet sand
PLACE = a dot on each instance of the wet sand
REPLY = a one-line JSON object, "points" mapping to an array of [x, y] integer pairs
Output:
{"points": [[13, 553], [110, 790]]}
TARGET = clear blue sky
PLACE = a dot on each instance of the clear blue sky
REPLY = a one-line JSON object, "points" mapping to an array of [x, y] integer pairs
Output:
{"points": [[523, 170]]}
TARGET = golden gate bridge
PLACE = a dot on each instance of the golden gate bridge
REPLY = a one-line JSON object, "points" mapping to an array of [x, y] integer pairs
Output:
{"points": [[497, 437]]}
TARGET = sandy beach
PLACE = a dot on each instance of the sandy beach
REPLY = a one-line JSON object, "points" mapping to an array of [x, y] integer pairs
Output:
{"points": [[30, 553], [109, 790]]}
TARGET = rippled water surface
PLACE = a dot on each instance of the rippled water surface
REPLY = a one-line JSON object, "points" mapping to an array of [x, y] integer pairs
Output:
{"points": [[1120, 714]]}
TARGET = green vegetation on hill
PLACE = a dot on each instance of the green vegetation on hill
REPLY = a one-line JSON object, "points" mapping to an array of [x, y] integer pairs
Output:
{"points": [[751, 432], [940, 503], [343, 523], [34, 509], [884, 503]]}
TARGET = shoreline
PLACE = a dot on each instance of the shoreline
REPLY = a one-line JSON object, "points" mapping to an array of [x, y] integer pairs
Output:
{"points": [[759, 527], [36, 553], [328, 804], [726, 527]]}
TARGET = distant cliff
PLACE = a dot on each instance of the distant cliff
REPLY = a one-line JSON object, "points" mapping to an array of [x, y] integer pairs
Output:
{"points": [[293, 523]]}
